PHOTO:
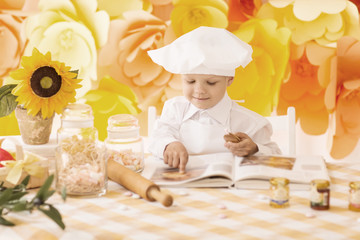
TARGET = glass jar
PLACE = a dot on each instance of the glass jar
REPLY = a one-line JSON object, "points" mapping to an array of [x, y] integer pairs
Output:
{"points": [[320, 194], [354, 196], [279, 188], [124, 143], [80, 159]]}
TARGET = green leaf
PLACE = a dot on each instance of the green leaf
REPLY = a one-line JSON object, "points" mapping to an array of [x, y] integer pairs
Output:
{"points": [[26, 180], [54, 214], [17, 195], [63, 193], [75, 71], [42, 194], [20, 206], [5, 196], [7, 100], [48, 194], [5, 222]]}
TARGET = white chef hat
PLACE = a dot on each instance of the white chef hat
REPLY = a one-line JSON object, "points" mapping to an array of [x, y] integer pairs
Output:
{"points": [[205, 50]]}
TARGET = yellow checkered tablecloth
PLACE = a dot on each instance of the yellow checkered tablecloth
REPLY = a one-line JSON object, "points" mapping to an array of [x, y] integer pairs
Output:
{"points": [[207, 213]]}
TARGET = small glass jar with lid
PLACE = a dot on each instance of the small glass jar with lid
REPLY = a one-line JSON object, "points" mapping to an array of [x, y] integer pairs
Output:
{"points": [[124, 143], [354, 196], [279, 189], [320, 194], [80, 158]]}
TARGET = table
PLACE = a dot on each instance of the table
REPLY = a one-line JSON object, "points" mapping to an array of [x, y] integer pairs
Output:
{"points": [[207, 213]]}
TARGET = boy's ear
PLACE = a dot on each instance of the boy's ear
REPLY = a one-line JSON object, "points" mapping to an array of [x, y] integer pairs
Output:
{"points": [[230, 81]]}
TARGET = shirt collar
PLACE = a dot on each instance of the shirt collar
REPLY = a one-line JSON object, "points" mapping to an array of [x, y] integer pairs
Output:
{"points": [[220, 112]]}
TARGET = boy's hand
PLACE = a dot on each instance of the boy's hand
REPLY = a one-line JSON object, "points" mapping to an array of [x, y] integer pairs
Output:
{"points": [[244, 147], [176, 155]]}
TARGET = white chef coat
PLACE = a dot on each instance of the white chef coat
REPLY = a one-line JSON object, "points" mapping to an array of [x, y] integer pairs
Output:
{"points": [[202, 130]]}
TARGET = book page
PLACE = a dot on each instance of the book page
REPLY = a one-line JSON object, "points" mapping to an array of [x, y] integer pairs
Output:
{"points": [[205, 168], [299, 169]]}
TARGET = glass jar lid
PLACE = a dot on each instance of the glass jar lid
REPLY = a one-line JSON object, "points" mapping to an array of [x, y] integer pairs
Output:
{"points": [[77, 111], [355, 185], [123, 126], [77, 115], [320, 183], [279, 181]]}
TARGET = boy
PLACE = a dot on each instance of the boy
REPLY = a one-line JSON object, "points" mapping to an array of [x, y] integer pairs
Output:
{"points": [[198, 122]]}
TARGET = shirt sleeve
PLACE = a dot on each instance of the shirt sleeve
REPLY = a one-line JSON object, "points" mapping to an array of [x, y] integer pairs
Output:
{"points": [[263, 140], [166, 129]]}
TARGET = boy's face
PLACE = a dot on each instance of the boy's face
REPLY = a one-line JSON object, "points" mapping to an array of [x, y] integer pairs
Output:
{"points": [[205, 91]]}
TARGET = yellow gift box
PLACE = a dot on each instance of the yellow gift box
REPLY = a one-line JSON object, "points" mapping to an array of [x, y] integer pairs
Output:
{"points": [[25, 163]]}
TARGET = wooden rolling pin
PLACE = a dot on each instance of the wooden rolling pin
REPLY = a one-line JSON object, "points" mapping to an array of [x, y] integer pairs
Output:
{"points": [[136, 183]]}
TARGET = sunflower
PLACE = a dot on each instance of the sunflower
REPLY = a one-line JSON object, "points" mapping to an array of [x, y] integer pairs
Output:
{"points": [[43, 85]]}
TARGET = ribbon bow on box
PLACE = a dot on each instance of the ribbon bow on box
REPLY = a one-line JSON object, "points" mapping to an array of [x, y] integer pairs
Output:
{"points": [[24, 163]]}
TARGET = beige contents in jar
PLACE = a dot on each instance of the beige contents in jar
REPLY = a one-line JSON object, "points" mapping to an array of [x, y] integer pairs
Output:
{"points": [[82, 167], [128, 158]]}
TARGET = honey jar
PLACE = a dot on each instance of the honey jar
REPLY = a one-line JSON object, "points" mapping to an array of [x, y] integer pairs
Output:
{"points": [[320, 194], [354, 196], [279, 188]]}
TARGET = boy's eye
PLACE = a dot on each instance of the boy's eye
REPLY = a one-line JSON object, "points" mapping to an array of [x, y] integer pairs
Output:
{"points": [[211, 83], [191, 82]]}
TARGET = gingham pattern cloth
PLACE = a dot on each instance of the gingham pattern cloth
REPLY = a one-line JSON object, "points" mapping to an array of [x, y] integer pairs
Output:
{"points": [[208, 213]]}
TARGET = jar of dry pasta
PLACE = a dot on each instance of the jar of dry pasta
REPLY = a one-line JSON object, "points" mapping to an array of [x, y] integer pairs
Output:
{"points": [[124, 143], [80, 158]]}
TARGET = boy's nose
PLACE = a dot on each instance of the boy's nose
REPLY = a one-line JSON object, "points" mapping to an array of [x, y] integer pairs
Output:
{"points": [[199, 88]]}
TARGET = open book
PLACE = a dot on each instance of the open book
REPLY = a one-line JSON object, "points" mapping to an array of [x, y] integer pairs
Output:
{"points": [[254, 172]]}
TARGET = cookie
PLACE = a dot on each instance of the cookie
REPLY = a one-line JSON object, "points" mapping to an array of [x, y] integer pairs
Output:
{"points": [[173, 175], [231, 138]]}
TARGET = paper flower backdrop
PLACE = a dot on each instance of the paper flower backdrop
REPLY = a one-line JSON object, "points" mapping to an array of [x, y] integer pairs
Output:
{"points": [[305, 54]]}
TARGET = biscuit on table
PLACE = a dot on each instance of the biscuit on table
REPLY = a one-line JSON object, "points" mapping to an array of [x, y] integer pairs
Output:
{"points": [[173, 175]]}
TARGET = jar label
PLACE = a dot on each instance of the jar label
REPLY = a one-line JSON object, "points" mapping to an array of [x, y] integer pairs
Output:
{"points": [[319, 198]]}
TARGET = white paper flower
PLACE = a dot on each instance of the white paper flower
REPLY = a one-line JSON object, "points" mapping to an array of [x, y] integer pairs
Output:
{"points": [[72, 31]]}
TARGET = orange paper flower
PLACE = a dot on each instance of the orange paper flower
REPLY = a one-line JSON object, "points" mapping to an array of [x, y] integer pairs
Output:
{"points": [[125, 58], [305, 88], [242, 10], [11, 43], [343, 97]]}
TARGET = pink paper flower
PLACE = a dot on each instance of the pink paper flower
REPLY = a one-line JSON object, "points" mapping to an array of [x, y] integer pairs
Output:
{"points": [[125, 58]]}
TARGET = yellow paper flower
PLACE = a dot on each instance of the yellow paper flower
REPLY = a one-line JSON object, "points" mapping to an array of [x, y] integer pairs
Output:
{"points": [[343, 96], [72, 31], [9, 125], [324, 21], [109, 99], [116, 8], [125, 58], [259, 83], [44, 85], [188, 15], [305, 89]]}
